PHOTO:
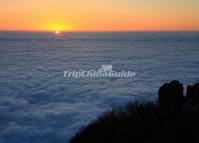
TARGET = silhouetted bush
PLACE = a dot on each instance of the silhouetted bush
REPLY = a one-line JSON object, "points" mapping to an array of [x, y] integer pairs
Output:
{"points": [[170, 120]]}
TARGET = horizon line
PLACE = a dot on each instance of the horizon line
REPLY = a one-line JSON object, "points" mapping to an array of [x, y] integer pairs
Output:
{"points": [[97, 31]]}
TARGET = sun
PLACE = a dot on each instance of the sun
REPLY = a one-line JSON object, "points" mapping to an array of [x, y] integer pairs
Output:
{"points": [[57, 32], [57, 28]]}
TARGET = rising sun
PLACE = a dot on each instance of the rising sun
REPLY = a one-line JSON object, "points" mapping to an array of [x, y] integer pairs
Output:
{"points": [[57, 32]]}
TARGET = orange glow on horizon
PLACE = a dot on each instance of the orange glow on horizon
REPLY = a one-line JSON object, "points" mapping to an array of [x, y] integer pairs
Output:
{"points": [[89, 15]]}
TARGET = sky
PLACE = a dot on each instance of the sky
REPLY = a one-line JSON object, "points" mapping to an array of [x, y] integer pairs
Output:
{"points": [[99, 15]]}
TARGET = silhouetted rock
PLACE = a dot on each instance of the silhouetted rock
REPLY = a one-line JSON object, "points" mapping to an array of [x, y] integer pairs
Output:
{"points": [[171, 98], [192, 95], [144, 123]]}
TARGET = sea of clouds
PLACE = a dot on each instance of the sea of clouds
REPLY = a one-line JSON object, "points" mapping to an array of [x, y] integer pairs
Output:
{"points": [[39, 105]]}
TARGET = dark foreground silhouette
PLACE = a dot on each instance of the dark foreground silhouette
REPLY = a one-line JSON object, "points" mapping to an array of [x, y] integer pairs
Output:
{"points": [[174, 118]]}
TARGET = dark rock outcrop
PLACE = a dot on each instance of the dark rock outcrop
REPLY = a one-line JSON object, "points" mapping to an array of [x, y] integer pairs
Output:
{"points": [[192, 95], [171, 98], [173, 119]]}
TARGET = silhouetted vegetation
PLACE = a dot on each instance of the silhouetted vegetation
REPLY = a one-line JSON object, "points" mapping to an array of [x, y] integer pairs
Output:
{"points": [[173, 118]]}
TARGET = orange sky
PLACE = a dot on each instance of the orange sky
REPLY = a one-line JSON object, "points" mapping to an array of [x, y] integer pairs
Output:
{"points": [[99, 15]]}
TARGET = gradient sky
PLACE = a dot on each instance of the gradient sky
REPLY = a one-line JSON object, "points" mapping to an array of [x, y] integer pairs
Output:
{"points": [[99, 15]]}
